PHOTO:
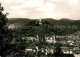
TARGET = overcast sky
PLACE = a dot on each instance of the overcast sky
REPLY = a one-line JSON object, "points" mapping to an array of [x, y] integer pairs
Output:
{"points": [[42, 8]]}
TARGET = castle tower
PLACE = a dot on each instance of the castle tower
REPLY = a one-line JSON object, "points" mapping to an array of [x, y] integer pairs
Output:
{"points": [[40, 21]]}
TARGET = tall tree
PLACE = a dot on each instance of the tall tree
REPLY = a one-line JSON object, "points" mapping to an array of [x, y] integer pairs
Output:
{"points": [[5, 33]]}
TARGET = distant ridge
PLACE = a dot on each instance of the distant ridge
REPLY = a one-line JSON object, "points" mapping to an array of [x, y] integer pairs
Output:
{"points": [[63, 21], [42, 18]]}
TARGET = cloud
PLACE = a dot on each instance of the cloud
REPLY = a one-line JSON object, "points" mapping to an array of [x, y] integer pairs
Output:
{"points": [[74, 3], [42, 8], [47, 7], [56, 0], [35, 3]]}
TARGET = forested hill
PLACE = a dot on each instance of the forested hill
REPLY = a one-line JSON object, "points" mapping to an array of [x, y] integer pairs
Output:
{"points": [[62, 21], [20, 21], [49, 21]]}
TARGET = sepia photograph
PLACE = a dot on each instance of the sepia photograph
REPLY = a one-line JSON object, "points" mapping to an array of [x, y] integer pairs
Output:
{"points": [[39, 28]]}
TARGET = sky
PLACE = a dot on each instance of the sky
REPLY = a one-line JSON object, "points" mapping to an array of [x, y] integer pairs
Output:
{"points": [[36, 9]]}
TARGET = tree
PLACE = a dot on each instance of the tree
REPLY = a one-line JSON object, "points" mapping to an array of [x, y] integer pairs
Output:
{"points": [[58, 50], [5, 33]]}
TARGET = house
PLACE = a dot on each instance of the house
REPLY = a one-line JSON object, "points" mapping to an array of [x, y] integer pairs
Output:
{"points": [[28, 49], [50, 39], [67, 52], [30, 38], [70, 42], [11, 26]]}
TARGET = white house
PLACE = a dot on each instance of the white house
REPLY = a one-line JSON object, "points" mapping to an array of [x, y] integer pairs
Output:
{"points": [[50, 39]]}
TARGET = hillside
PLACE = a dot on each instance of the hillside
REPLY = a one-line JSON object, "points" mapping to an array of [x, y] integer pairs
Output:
{"points": [[59, 22], [19, 21], [62, 21]]}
